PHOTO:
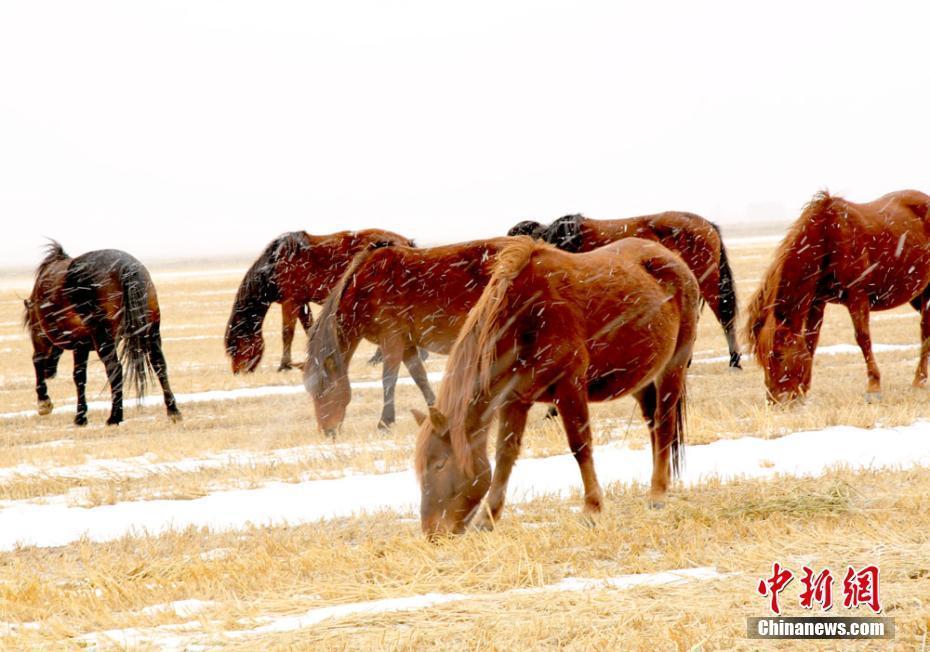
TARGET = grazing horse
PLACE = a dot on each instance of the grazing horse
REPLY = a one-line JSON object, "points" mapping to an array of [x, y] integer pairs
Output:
{"points": [[400, 298], [872, 256], [294, 270], [565, 329], [690, 236], [103, 300]]}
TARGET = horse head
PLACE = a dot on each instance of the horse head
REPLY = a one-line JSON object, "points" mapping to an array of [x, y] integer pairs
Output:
{"points": [[244, 343], [450, 493], [787, 362]]}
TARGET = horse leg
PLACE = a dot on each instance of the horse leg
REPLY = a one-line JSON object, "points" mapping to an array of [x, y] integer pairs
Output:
{"points": [[668, 394], [289, 314], [414, 365], [813, 324], [44, 404], [571, 400], [305, 317], [920, 377], [80, 382], [710, 292], [157, 358], [512, 419], [106, 349], [859, 312], [393, 352]]}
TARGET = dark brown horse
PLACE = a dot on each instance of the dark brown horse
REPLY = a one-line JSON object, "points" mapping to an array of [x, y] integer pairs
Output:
{"points": [[102, 301], [690, 236], [866, 257], [296, 269], [400, 298], [564, 329]]}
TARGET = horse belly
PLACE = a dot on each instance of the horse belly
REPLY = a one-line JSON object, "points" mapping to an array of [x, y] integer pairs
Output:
{"points": [[617, 369], [899, 284]]}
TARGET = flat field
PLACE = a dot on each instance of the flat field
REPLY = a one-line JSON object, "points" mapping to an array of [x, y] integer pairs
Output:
{"points": [[243, 528]]}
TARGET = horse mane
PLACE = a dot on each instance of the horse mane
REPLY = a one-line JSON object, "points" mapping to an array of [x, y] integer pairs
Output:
{"points": [[258, 289], [54, 253], [565, 233], [471, 360], [323, 340], [765, 300], [527, 227]]}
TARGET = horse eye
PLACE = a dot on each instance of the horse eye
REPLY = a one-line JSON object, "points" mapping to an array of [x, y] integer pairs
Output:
{"points": [[441, 463]]}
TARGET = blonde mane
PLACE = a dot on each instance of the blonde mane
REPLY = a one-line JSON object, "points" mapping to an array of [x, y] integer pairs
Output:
{"points": [[763, 301], [471, 361]]}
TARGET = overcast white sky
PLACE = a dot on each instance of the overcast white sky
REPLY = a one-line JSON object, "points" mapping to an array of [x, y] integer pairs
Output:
{"points": [[191, 129]]}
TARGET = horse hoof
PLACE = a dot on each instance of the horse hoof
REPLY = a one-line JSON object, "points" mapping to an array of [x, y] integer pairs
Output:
{"points": [[114, 421], [588, 520], [552, 412], [284, 367], [80, 420], [45, 407], [482, 524], [384, 426], [175, 416], [873, 397], [656, 504], [330, 433]]}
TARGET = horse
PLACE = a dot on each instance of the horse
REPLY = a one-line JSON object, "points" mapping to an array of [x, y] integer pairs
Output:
{"points": [[564, 329], [103, 300], [692, 237], [294, 270], [402, 299], [873, 256]]}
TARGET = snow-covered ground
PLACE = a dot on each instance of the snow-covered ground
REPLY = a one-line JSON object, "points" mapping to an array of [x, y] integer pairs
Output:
{"points": [[220, 395], [280, 390], [800, 454], [145, 465], [180, 636]]}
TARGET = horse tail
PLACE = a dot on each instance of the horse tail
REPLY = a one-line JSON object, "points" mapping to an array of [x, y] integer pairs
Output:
{"points": [[323, 341], [257, 291], [136, 328], [728, 308], [471, 361], [804, 236], [677, 445]]}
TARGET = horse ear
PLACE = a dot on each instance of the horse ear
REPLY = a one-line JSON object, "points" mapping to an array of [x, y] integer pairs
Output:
{"points": [[418, 416], [438, 419]]}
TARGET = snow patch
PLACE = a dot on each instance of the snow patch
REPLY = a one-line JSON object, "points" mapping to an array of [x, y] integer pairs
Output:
{"points": [[223, 395], [165, 637], [278, 503]]}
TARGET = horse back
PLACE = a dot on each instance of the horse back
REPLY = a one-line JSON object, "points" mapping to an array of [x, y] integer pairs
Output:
{"points": [[96, 284], [690, 236], [630, 308], [426, 292]]}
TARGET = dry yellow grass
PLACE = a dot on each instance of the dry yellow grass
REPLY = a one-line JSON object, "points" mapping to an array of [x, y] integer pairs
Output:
{"points": [[85, 587]]}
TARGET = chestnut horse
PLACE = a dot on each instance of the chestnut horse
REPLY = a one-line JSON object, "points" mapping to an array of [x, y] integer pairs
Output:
{"points": [[101, 301], [294, 270], [400, 298], [564, 329], [690, 236], [872, 256]]}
